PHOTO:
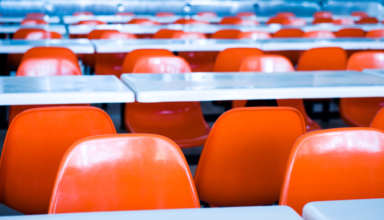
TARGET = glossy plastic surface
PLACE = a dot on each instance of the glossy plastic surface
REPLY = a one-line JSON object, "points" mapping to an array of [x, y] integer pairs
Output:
{"points": [[229, 60], [323, 58], [244, 159], [285, 14], [321, 20], [164, 14], [289, 32], [183, 122], [319, 34], [226, 34], [35, 34], [360, 111], [287, 21], [165, 33], [322, 14], [34, 145], [123, 172], [378, 33], [276, 63], [237, 21], [131, 58], [350, 32], [190, 21], [334, 164], [359, 14], [143, 21], [254, 35], [33, 21], [91, 22], [343, 21], [378, 120], [367, 20]]}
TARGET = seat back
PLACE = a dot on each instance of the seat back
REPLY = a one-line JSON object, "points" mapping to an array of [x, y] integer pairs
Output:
{"points": [[35, 142], [143, 21], [335, 164], [33, 21], [288, 32], [350, 32], [378, 33], [165, 33], [226, 34], [254, 35], [366, 60], [90, 22], [367, 20], [285, 14], [378, 120], [359, 14], [233, 20], [161, 64], [48, 61], [322, 14], [190, 21], [246, 153], [321, 20], [131, 169], [132, 57], [319, 34], [229, 60], [109, 34], [35, 34], [323, 58]]}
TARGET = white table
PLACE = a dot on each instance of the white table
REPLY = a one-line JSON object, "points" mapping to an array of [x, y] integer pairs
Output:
{"points": [[272, 44], [239, 86], [244, 213], [12, 28], [372, 209], [63, 90], [13, 19], [210, 28], [78, 46]]}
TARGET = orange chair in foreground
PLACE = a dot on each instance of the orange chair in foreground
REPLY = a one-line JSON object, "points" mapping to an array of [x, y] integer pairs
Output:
{"points": [[34, 145], [334, 164], [378, 120], [360, 111], [123, 172], [245, 156], [276, 63]]}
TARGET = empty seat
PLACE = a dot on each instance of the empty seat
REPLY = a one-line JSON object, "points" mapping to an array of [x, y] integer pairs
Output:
{"points": [[246, 14], [288, 33], [360, 111], [323, 58], [322, 20], [133, 56], [350, 32], [230, 59], [276, 63], [319, 34], [207, 14], [359, 14], [143, 21], [322, 14], [35, 34], [343, 21], [335, 164], [367, 20], [378, 33], [166, 33], [35, 142], [245, 156], [35, 15], [33, 21], [90, 22], [254, 35], [378, 120], [226, 34], [190, 21], [165, 14], [123, 172], [285, 14], [237, 21], [292, 21]]}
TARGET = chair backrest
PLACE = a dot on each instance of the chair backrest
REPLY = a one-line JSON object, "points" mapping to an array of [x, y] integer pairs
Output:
{"points": [[48, 61], [229, 60], [90, 22], [109, 34], [35, 142], [143, 21], [288, 32], [378, 120], [165, 33], [132, 57], [359, 14], [285, 14], [123, 172], [35, 15], [366, 60], [292, 21], [378, 33], [322, 14], [207, 14], [189, 35], [266, 63], [350, 32], [233, 20], [164, 14], [319, 34], [244, 158], [321, 20], [161, 64], [343, 21], [226, 34], [33, 21], [323, 58], [35, 34], [245, 14], [190, 21], [335, 164], [254, 35], [367, 20]]}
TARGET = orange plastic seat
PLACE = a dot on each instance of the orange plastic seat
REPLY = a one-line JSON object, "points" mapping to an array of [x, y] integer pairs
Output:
{"points": [[276, 63], [143, 21], [35, 142], [359, 14], [237, 21], [323, 58], [288, 32], [110, 63], [35, 15], [285, 14], [322, 14], [35, 34], [378, 33], [165, 14], [183, 122], [226, 34], [131, 58], [319, 34], [378, 120], [33, 21], [254, 35], [350, 32], [165, 33], [244, 159], [343, 21], [322, 20], [245, 14], [90, 22], [230, 59], [335, 164], [292, 21], [367, 20], [140, 179], [190, 21], [361, 111]]}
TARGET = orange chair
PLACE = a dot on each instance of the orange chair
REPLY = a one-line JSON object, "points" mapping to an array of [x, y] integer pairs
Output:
{"points": [[110, 63], [90, 22], [378, 33], [140, 179], [350, 32], [361, 111], [183, 122], [367, 20], [285, 14], [292, 21], [254, 35], [165, 33], [245, 156], [288, 33], [189, 21], [276, 63], [230, 59], [359, 14], [334, 164], [226, 34], [322, 14], [143, 21], [237, 21], [33, 21], [323, 58], [82, 13], [378, 120], [35, 142], [319, 34], [133, 56], [165, 14], [245, 14], [343, 21], [35, 34], [322, 20], [35, 15]]}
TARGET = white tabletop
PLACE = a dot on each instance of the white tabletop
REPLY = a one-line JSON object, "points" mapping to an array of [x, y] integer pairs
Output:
{"points": [[372, 209], [272, 44], [10, 19], [63, 90], [12, 28], [244, 213], [210, 28], [238, 86], [79, 46]]}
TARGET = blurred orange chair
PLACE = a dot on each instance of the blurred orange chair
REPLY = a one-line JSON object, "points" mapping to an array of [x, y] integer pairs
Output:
{"points": [[190, 21], [34, 145], [183, 122], [322, 20], [319, 34], [237, 21], [276, 63], [292, 21], [254, 35], [244, 159], [226, 34], [90, 22], [367, 20], [140, 179], [82, 13], [110, 63], [131, 58], [143, 21], [35, 15], [360, 111], [33, 21], [378, 33], [322, 14], [245, 14], [165, 14], [343, 21], [285, 14], [350, 32], [359, 14], [165, 33], [288, 32], [378, 120], [323, 58], [334, 164]]}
